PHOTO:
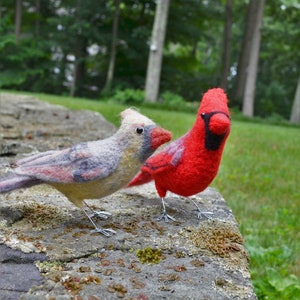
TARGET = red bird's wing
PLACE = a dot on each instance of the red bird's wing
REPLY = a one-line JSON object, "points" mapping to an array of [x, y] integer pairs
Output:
{"points": [[152, 166], [165, 160]]}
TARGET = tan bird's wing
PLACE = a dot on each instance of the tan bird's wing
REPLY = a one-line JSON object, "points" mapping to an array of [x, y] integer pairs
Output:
{"points": [[80, 163]]}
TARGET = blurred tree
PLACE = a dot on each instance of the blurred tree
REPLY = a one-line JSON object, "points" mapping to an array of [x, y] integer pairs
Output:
{"points": [[18, 19], [192, 55], [226, 45], [80, 45], [133, 48], [38, 20], [156, 51], [66, 47], [24, 59], [113, 48], [279, 66], [245, 51], [295, 113], [255, 25]]}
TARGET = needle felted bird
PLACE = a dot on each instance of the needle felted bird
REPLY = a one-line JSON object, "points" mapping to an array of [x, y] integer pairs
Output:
{"points": [[189, 164], [95, 169]]}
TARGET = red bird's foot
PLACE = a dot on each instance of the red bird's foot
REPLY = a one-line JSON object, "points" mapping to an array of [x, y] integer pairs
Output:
{"points": [[201, 213], [166, 217], [164, 214]]}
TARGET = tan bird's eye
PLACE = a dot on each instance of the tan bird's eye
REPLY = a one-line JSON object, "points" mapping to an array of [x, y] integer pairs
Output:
{"points": [[139, 130]]}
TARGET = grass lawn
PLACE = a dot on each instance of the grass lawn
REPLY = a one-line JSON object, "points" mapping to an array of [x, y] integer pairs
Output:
{"points": [[259, 178]]}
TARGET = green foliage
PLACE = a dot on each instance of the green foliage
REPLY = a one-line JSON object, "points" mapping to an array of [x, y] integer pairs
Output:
{"points": [[192, 51], [276, 283], [51, 37], [129, 96], [258, 178], [135, 97], [279, 67], [7, 74], [275, 280], [26, 63], [172, 99], [20, 64], [174, 102], [273, 119]]}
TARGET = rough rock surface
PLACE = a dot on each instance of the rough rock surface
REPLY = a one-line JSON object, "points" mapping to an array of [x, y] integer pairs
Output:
{"points": [[47, 251]]}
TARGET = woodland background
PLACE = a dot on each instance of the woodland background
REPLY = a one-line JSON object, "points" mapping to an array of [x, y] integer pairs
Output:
{"points": [[110, 50], [95, 48]]}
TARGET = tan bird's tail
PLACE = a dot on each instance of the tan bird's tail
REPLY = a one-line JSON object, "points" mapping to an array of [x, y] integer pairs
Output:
{"points": [[17, 182]]}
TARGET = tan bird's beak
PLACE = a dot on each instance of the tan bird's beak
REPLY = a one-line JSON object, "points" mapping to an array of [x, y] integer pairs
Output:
{"points": [[159, 136]]}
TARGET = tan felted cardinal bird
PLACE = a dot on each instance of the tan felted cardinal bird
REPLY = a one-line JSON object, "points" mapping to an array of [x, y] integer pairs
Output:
{"points": [[95, 169]]}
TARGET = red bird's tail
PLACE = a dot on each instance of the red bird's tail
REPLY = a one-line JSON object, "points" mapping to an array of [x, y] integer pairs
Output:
{"points": [[140, 178]]}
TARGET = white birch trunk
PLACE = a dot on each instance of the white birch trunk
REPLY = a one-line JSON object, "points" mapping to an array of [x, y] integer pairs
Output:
{"points": [[156, 51], [295, 113], [250, 85]]}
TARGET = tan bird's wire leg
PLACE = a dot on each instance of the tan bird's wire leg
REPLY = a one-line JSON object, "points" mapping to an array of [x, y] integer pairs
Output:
{"points": [[101, 214], [98, 214]]}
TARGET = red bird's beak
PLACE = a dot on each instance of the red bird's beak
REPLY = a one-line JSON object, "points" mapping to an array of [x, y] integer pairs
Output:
{"points": [[159, 136], [219, 124]]}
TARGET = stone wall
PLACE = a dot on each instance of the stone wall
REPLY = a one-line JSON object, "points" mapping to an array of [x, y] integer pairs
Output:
{"points": [[47, 251]]}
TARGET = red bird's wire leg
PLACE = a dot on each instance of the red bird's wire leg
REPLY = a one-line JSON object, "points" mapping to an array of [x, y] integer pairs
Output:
{"points": [[164, 214], [98, 214], [201, 213]]}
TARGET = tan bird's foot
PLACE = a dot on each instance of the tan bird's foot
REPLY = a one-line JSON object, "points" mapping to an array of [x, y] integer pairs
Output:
{"points": [[101, 214], [105, 231]]}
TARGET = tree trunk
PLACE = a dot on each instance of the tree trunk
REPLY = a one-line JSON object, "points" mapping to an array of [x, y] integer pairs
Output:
{"points": [[79, 67], [250, 84], [245, 51], [295, 113], [226, 45], [18, 19], [156, 51], [113, 50], [37, 21], [61, 77]]}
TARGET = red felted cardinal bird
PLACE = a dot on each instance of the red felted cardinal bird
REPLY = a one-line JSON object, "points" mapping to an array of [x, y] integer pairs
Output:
{"points": [[189, 164]]}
